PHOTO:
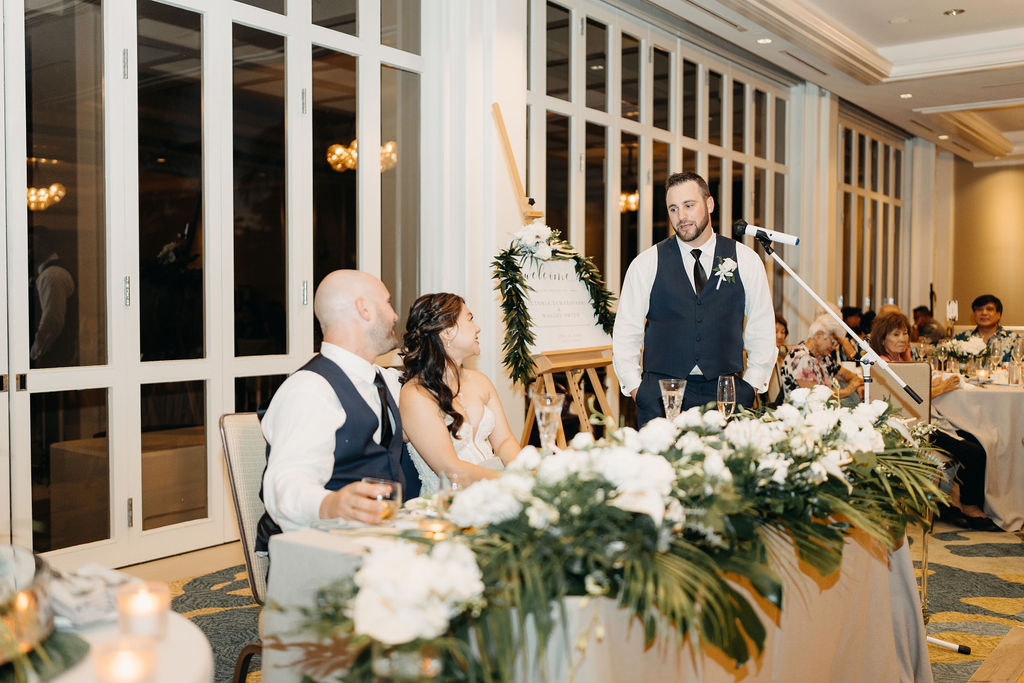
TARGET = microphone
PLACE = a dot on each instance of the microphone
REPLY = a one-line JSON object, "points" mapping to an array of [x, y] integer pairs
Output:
{"points": [[741, 228]]}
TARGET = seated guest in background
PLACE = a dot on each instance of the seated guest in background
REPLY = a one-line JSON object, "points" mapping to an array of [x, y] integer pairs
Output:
{"points": [[452, 414], [987, 311], [851, 316], [926, 329], [812, 362], [885, 310], [781, 332], [866, 318], [335, 420], [890, 338]]}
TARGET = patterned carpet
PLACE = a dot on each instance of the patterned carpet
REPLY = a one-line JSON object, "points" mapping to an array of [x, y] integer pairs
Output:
{"points": [[975, 595]]}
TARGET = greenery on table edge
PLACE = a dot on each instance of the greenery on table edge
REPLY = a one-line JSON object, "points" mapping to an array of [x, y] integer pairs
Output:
{"points": [[53, 656], [533, 245], [674, 572]]}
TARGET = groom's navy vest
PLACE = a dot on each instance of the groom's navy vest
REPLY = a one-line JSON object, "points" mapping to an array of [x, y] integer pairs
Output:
{"points": [[356, 454], [683, 329]]}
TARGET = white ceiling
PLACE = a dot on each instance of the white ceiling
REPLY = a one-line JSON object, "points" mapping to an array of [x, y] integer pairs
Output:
{"points": [[965, 73]]}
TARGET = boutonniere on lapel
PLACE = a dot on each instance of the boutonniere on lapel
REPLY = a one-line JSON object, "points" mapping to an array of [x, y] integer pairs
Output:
{"points": [[725, 270]]}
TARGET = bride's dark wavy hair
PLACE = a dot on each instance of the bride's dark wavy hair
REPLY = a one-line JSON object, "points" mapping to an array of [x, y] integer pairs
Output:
{"points": [[423, 350]]}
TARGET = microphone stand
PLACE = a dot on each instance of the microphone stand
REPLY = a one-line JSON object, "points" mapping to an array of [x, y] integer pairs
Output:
{"points": [[869, 356]]}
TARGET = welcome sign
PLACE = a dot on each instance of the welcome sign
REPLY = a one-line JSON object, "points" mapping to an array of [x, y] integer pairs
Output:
{"points": [[560, 308]]}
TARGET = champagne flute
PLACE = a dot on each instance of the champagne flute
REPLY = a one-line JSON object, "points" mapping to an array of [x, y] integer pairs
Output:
{"points": [[451, 483], [726, 395], [389, 493], [672, 396], [1017, 351], [548, 410]]}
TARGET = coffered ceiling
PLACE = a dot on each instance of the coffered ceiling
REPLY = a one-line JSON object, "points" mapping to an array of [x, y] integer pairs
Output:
{"points": [[955, 78]]}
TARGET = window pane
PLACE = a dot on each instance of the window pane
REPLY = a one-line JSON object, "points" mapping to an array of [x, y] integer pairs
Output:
{"points": [[70, 469], [556, 161], [689, 160], [714, 180], [760, 124], [847, 230], [173, 453], [629, 183], [630, 77], [594, 195], [400, 24], [399, 162], [897, 175], [259, 193], [886, 170], [861, 163], [660, 170], [886, 237], [597, 65], [871, 252], [873, 161], [170, 183], [737, 177], [739, 117], [847, 156], [339, 15], [897, 246], [715, 108], [254, 393], [559, 45], [779, 217], [780, 130], [760, 198], [65, 170], [662, 86], [689, 99], [335, 182], [271, 5]]}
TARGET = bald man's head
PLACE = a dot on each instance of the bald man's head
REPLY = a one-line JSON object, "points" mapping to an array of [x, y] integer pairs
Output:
{"points": [[354, 311]]}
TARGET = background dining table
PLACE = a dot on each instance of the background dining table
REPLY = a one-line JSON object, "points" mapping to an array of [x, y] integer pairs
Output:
{"points": [[994, 414]]}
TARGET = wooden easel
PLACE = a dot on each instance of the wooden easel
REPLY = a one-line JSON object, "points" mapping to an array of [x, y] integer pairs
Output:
{"points": [[575, 364]]}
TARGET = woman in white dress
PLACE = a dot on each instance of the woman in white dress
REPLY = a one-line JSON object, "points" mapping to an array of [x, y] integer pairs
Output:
{"points": [[451, 414]]}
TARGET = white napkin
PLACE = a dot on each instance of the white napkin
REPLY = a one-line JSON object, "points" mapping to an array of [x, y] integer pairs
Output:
{"points": [[87, 596]]}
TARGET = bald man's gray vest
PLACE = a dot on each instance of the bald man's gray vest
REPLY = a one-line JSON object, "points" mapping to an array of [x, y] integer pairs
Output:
{"points": [[684, 329]]}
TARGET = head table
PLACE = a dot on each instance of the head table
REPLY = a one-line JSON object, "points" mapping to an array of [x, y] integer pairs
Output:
{"points": [[862, 623], [994, 414]]}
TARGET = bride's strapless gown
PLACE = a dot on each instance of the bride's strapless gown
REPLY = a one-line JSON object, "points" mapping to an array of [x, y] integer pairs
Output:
{"points": [[470, 446]]}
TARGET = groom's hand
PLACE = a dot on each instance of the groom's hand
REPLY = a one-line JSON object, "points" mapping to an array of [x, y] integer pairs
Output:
{"points": [[633, 393], [357, 501]]}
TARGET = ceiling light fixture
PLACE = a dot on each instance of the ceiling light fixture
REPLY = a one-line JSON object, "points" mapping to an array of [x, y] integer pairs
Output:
{"points": [[906, 95], [764, 41], [943, 137], [596, 67], [954, 12]]}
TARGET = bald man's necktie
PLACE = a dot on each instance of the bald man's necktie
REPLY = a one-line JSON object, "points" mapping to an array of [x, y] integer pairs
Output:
{"points": [[386, 430], [700, 278]]}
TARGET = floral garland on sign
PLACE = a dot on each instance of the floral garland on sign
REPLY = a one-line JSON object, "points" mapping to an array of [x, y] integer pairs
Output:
{"points": [[656, 519], [533, 245], [965, 350]]}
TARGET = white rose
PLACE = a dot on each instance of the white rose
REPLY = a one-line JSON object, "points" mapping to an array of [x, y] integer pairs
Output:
{"points": [[798, 396], [789, 416], [528, 459], [556, 467], [540, 515], [819, 397], [485, 502], [378, 618], [822, 421], [543, 252], [629, 438], [632, 472], [714, 466], [690, 443], [713, 420], [689, 419], [643, 501], [753, 434], [582, 440], [658, 435]]}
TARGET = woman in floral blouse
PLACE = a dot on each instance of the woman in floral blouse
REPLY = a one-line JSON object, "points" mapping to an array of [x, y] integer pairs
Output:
{"points": [[812, 362]]}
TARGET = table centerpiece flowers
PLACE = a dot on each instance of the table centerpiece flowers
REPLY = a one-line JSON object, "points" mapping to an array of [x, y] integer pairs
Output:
{"points": [[659, 519], [965, 352]]}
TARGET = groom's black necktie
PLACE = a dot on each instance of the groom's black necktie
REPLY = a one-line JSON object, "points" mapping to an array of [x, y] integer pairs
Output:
{"points": [[386, 430], [700, 278]]}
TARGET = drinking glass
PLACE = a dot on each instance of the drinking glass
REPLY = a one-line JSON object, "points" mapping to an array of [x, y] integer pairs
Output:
{"points": [[392, 495], [941, 354], [672, 396], [1017, 351], [726, 395], [451, 483], [548, 409]]}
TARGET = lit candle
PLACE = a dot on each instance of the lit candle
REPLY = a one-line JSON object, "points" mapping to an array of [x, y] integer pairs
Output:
{"points": [[142, 608], [436, 529], [982, 373], [125, 660]]}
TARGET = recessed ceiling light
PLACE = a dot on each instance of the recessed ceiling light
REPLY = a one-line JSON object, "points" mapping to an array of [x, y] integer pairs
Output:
{"points": [[900, 20], [906, 95], [596, 67], [764, 41], [943, 137], [954, 12]]}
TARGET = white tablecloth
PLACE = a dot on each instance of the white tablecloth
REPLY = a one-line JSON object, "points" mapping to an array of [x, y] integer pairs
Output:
{"points": [[183, 656], [860, 624], [995, 416]]}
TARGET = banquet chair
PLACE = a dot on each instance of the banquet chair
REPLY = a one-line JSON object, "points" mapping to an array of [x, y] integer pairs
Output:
{"points": [[245, 453]]}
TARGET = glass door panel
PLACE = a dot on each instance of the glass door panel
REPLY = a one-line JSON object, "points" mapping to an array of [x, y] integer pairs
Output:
{"points": [[171, 235], [173, 453], [65, 172], [259, 193], [70, 468]]}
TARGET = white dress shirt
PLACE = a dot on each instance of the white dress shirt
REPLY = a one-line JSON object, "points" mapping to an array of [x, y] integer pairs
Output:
{"points": [[759, 328], [300, 426]]}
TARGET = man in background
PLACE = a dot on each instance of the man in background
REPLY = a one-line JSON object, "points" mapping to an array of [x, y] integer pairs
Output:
{"points": [[54, 315], [988, 311], [926, 328]]}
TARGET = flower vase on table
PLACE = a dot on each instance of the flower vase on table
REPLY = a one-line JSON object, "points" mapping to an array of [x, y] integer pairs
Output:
{"points": [[548, 410]]}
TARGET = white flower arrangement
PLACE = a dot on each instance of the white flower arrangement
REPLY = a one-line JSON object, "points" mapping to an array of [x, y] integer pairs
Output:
{"points": [[961, 350], [726, 270], [394, 610], [535, 240]]}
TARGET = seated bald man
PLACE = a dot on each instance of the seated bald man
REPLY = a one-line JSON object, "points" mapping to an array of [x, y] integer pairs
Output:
{"points": [[335, 420]]}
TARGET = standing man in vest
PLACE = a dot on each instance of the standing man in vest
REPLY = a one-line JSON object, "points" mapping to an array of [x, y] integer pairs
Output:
{"points": [[683, 303], [335, 420]]}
